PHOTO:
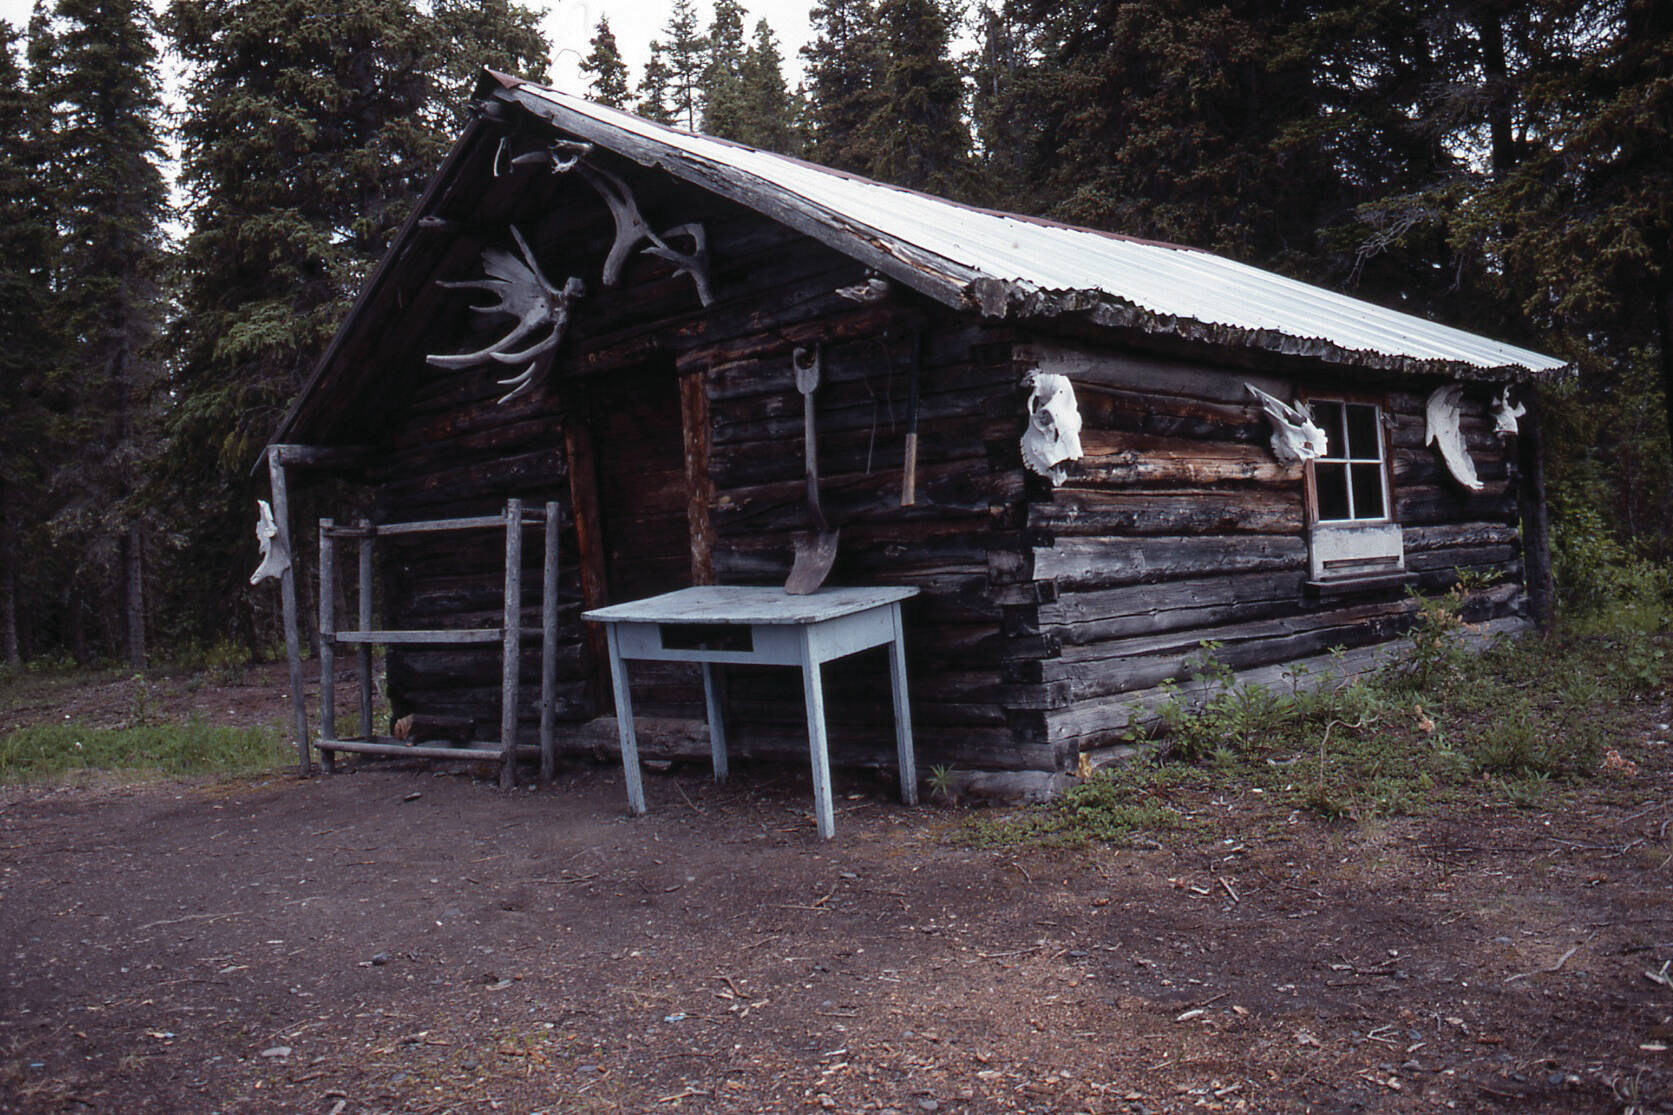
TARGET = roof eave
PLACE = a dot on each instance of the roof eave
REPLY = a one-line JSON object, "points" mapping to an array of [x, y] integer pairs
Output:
{"points": [[1002, 299]]}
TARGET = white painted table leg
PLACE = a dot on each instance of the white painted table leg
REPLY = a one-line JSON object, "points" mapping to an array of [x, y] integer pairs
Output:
{"points": [[903, 712], [717, 723], [624, 722], [812, 687]]}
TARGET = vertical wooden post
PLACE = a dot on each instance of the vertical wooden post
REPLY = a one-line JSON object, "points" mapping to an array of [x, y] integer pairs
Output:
{"points": [[287, 598], [589, 548], [1536, 519], [694, 421], [365, 650], [327, 644], [511, 642], [549, 646]]}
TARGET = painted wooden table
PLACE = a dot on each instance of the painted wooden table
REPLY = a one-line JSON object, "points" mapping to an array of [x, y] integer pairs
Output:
{"points": [[760, 626]]}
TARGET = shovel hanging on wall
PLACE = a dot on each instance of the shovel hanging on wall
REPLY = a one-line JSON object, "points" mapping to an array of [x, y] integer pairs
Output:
{"points": [[815, 549]]}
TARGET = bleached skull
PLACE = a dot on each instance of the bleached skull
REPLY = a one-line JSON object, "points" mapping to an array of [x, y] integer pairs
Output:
{"points": [[275, 555], [1295, 436], [1504, 414], [1053, 434]]}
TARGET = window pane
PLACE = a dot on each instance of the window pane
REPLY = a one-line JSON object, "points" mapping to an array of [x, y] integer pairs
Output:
{"points": [[1368, 491], [1328, 417], [1362, 433], [1332, 483]]}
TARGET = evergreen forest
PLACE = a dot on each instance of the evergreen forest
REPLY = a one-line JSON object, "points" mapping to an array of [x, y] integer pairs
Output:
{"points": [[176, 257]]}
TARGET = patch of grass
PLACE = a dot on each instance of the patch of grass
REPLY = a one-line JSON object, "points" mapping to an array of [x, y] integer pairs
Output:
{"points": [[53, 750], [1110, 806], [1520, 725]]}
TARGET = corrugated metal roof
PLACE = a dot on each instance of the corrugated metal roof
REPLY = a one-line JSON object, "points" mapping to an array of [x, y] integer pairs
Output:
{"points": [[1005, 264]]}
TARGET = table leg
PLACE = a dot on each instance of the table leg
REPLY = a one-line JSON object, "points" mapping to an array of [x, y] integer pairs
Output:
{"points": [[624, 722], [903, 713], [715, 701], [812, 687]]}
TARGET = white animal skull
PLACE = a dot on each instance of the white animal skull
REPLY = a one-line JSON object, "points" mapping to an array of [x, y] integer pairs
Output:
{"points": [[1295, 436], [1504, 414], [1441, 430], [275, 555], [1053, 434]]}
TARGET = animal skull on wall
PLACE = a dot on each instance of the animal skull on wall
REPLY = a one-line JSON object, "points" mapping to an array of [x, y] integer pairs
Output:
{"points": [[275, 555], [1053, 434], [1441, 430], [1295, 436], [1504, 415]]}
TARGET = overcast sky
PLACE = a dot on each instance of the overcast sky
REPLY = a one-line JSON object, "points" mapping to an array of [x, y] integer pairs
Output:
{"points": [[570, 24]]}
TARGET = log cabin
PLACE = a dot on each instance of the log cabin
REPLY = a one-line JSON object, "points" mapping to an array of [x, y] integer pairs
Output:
{"points": [[1094, 455]]}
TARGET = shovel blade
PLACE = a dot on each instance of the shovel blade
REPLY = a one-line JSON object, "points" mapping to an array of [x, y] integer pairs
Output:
{"points": [[815, 552]]}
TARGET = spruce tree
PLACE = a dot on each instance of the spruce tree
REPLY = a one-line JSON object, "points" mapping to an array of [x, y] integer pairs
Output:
{"points": [[771, 114], [310, 134], [685, 51], [499, 34], [608, 83], [108, 201], [724, 110], [915, 135], [843, 66], [26, 242], [655, 98]]}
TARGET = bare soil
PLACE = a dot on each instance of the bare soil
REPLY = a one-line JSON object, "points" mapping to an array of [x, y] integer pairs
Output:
{"points": [[400, 939]]}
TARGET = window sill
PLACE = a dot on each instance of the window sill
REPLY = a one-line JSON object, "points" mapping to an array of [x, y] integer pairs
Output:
{"points": [[1338, 588]]}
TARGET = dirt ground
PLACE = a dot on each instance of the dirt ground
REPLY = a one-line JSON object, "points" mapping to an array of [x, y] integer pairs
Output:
{"points": [[399, 939]]}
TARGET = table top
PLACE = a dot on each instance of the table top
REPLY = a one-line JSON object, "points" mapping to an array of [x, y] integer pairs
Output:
{"points": [[752, 604]]}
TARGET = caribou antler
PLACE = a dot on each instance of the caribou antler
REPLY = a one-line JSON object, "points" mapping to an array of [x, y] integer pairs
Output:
{"points": [[632, 230], [524, 292]]}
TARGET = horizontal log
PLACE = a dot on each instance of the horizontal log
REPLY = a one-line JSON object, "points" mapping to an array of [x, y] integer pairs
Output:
{"points": [[1108, 562], [1425, 504], [1144, 374], [1187, 642], [1080, 511], [1439, 537], [1091, 723], [1114, 457], [1124, 674], [1168, 415]]}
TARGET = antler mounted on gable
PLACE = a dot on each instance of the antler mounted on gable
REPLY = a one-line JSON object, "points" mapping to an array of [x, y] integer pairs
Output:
{"points": [[524, 292], [632, 230]]}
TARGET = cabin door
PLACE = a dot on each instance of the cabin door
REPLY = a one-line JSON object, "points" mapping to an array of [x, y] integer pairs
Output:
{"points": [[639, 540]]}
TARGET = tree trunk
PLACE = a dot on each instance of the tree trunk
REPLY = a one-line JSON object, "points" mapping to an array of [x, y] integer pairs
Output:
{"points": [[1664, 329], [9, 646], [134, 596]]}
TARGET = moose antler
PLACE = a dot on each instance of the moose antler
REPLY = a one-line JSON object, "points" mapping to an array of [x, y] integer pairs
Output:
{"points": [[1441, 429], [524, 292]]}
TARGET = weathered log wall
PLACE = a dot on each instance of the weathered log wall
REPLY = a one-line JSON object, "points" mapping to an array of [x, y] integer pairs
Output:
{"points": [[451, 449], [1179, 527], [671, 434]]}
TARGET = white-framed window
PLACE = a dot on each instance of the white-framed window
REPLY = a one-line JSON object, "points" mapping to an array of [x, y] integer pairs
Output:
{"points": [[1352, 535], [1350, 479]]}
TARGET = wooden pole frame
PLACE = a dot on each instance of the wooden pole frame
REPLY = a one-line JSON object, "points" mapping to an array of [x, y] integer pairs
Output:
{"points": [[287, 597]]}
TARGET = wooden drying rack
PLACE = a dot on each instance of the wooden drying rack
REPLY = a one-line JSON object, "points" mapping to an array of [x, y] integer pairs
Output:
{"points": [[508, 635]]}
